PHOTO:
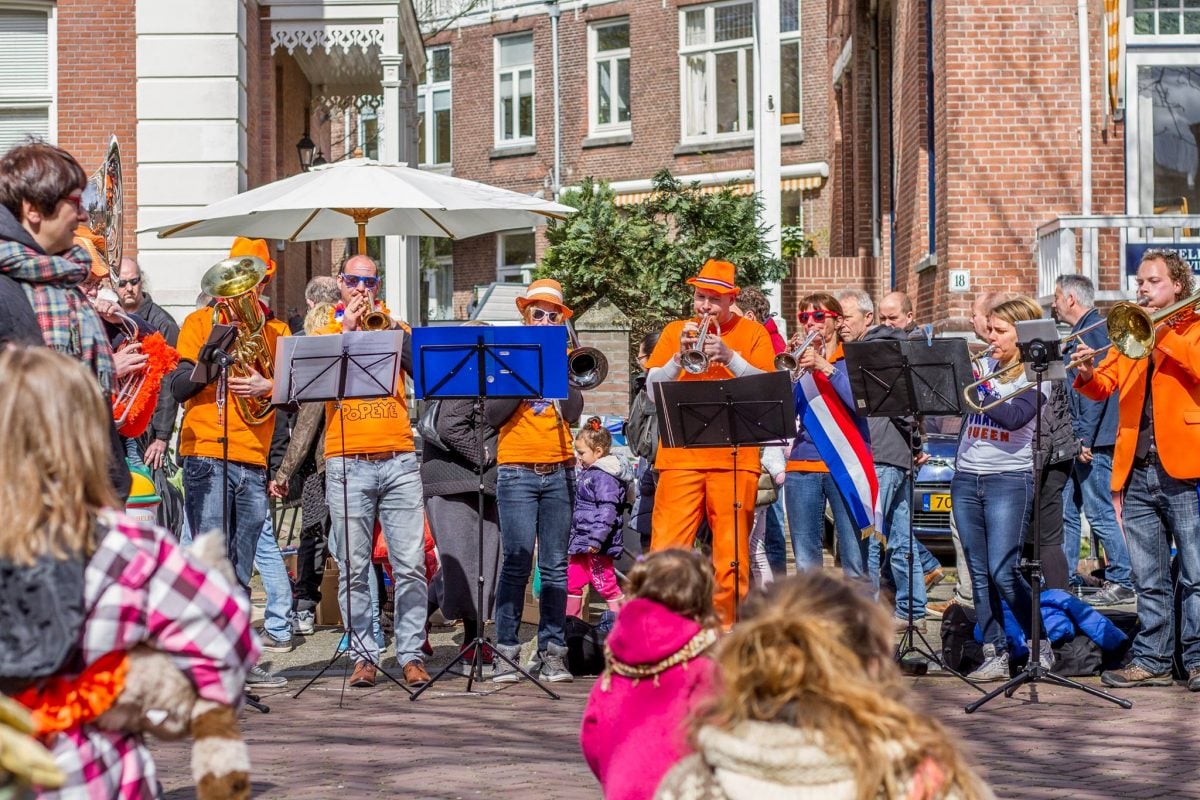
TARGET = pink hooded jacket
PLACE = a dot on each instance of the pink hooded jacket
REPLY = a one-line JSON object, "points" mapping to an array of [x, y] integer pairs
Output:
{"points": [[634, 731]]}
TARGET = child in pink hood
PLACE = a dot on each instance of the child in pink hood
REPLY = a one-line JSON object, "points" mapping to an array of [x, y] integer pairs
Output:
{"points": [[634, 726]]}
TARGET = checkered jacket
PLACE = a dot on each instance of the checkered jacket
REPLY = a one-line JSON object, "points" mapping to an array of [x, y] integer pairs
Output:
{"points": [[142, 587]]}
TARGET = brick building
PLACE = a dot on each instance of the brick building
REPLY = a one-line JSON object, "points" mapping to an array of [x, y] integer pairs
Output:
{"points": [[641, 86], [960, 150], [208, 100]]}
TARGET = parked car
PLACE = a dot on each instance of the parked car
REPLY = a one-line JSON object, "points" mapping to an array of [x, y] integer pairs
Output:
{"points": [[931, 496]]}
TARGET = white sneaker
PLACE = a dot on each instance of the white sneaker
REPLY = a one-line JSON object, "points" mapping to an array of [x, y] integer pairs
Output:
{"points": [[304, 623], [502, 672], [1045, 655], [993, 668]]}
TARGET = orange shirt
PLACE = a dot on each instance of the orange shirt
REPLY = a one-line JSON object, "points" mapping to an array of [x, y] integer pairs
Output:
{"points": [[200, 434], [379, 425], [535, 434], [744, 336]]}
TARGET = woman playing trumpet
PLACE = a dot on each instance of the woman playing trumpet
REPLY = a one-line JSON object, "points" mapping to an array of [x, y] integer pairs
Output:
{"points": [[809, 484]]}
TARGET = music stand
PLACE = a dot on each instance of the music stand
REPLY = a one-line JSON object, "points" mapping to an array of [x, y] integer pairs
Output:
{"points": [[755, 410], [354, 365], [907, 378], [474, 363]]}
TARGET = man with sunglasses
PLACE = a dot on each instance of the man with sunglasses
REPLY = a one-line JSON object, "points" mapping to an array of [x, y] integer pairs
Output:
{"points": [[372, 471], [694, 483], [131, 288]]}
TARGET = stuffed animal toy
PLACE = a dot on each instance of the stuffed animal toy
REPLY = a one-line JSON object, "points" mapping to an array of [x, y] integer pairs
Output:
{"points": [[24, 762]]}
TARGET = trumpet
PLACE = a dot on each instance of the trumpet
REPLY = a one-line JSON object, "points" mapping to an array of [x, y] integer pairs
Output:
{"points": [[790, 361], [587, 367], [692, 356], [375, 320]]}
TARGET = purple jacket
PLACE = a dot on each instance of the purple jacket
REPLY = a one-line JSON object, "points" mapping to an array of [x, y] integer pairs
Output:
{"points": [[599, 495]]}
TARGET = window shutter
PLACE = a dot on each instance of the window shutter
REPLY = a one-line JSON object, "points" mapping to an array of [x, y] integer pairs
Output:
{"points": [[24, 55], [18, 123]]}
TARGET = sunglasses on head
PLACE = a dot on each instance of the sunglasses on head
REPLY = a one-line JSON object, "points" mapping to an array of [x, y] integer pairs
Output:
{"points": [[123, 282], [816, 316], [539, 314], [354, 281]]}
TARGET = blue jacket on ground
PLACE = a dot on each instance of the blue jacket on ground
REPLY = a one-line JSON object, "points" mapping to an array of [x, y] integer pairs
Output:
{"points": [[596, 520], [1062, 615]]}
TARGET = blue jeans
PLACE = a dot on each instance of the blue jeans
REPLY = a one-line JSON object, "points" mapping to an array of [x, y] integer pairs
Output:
{"points": [[775, 540], [533, 508], [895, 493], [276, 584], [391, 491], [805, 494], [1160, 510], [992, 514], [202, 499], [1090, 491]]}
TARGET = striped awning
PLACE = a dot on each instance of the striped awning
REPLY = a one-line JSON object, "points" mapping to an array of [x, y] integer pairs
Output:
{"points": [[804, 184]]}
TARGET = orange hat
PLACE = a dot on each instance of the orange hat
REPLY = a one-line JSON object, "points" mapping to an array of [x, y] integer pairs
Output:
{"points": [[547, 290], [254, 247], [717, 277], [95, 248]]}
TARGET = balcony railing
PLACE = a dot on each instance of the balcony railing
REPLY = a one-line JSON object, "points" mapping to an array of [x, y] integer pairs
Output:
{"points": [[1062, 245]]}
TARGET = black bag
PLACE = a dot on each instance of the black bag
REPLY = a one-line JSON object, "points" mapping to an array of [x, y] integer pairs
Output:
{"points": [[960, 651], [427, 424], [170, 509], [585, 647], [1077, 656], [641, 427]]}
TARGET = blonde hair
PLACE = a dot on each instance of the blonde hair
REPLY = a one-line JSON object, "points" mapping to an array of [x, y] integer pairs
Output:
{"points": [[54, 464], [1018, 309], [317, 318], [814, 652]]}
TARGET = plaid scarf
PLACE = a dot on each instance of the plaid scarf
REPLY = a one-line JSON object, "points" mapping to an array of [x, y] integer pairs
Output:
{"points": [[69, 323]]}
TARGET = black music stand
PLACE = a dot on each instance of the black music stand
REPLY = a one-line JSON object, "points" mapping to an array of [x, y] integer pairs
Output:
{"points": [[475, 363], [354, 365], [755, 410], [910, 378]]}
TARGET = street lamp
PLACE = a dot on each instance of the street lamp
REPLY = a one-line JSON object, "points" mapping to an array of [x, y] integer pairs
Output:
{"points": [[319, 160], [305, 149]]}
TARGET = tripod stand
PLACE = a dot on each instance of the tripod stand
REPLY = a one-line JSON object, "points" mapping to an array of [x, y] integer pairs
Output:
{"points": [[907, 378], [457, 356], [1038, 354]]}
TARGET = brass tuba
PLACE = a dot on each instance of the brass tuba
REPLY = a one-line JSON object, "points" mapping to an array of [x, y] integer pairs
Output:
{"points": [[231, 283], [587, 367], [103, 202]]}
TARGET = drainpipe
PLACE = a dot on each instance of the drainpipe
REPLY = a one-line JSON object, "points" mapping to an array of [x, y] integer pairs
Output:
{"points": [[1085, 139], [555, 12], [876, 240]]}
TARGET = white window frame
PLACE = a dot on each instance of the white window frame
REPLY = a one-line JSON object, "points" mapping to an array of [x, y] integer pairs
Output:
{"points": [[503, 271], [425, 94], [595, 127], [711, 49], [515, 72], [793, 37], [1173, 39], [440, 281], [49, 101]]}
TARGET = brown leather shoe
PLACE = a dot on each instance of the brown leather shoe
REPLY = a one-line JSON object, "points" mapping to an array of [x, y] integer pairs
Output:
{"points": [[363, 675], [934, 577], [415, 674]]}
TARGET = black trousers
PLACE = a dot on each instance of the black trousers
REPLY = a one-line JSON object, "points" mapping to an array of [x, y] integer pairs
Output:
{"points": [[1054, 561]]}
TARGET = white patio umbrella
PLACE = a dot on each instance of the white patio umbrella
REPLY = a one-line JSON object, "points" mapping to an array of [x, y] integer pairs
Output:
{"points": [[362, 198]]}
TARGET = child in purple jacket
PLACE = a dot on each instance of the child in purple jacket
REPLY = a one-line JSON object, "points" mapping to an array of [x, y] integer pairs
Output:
{"points": [[596, 521]]}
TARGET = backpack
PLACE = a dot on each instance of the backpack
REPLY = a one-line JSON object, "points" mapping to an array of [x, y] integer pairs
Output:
{"points": [[585, 644], [641, 427], [960, 651]]}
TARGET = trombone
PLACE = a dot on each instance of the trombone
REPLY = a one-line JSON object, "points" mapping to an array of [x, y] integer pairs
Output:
{"points": [[1130, 330]]}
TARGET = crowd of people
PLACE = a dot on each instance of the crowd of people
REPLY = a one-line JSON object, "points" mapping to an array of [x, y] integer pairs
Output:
{"points": [[802, 689]]}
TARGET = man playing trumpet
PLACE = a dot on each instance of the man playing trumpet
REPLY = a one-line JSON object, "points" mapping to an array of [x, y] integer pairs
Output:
{"points": [[694, 483]]}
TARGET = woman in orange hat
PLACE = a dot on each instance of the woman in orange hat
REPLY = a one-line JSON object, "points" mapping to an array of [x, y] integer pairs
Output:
{"points": [[535, 490]]}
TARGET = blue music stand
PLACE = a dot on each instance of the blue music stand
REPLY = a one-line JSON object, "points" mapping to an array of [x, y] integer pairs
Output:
{"points": [[476, 362]]}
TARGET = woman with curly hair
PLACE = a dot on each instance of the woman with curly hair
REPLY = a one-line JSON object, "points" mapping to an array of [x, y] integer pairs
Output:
{"points": [[812, 706]]}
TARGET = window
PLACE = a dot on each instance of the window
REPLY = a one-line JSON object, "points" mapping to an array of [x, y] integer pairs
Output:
{"points": [[516, 257], [1166, 17], [608, 79], [433, 109], [437, 275], [1162, 154], [790, 86], [514, 89], [27, 75], [368, 133]]}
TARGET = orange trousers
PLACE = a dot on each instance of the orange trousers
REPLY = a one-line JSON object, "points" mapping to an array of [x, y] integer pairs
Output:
{"points": [[682, 497]]}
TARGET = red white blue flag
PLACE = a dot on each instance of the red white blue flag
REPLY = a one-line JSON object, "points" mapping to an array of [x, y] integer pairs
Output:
{"points": [[842, 447]]}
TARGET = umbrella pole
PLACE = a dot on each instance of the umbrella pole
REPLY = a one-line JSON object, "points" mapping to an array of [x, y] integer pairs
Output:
{"points": [[362, 236]]}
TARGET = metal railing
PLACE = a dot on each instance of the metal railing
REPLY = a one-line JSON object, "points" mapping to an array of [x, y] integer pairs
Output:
{"points": [[1069, 245]]}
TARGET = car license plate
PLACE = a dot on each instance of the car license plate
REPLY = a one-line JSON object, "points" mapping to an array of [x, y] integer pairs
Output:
{"points": [[935, 502]]}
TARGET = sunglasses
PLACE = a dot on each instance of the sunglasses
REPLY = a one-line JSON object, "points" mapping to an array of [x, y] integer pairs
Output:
{"points": [[123, 282], [816, 316], [371, 282], [539, 314]]}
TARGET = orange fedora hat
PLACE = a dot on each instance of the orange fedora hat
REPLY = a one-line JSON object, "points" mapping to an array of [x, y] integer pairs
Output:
{"points": [[717, 277], [546, 290]]}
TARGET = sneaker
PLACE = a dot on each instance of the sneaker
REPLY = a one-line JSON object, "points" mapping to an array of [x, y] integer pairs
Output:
{"points": [[1045, 655], [364, 675], [993, 668], [901, 624], [415, 674], [505, 672], [1112, 594], [937, 610], [934, 577], [304, 623], [275, 645], [259, 678], [1133, 675], [1193, 683], [554, 664]]}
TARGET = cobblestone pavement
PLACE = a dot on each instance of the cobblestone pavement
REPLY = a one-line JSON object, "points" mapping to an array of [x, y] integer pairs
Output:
{"points": [[513, 742]]}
